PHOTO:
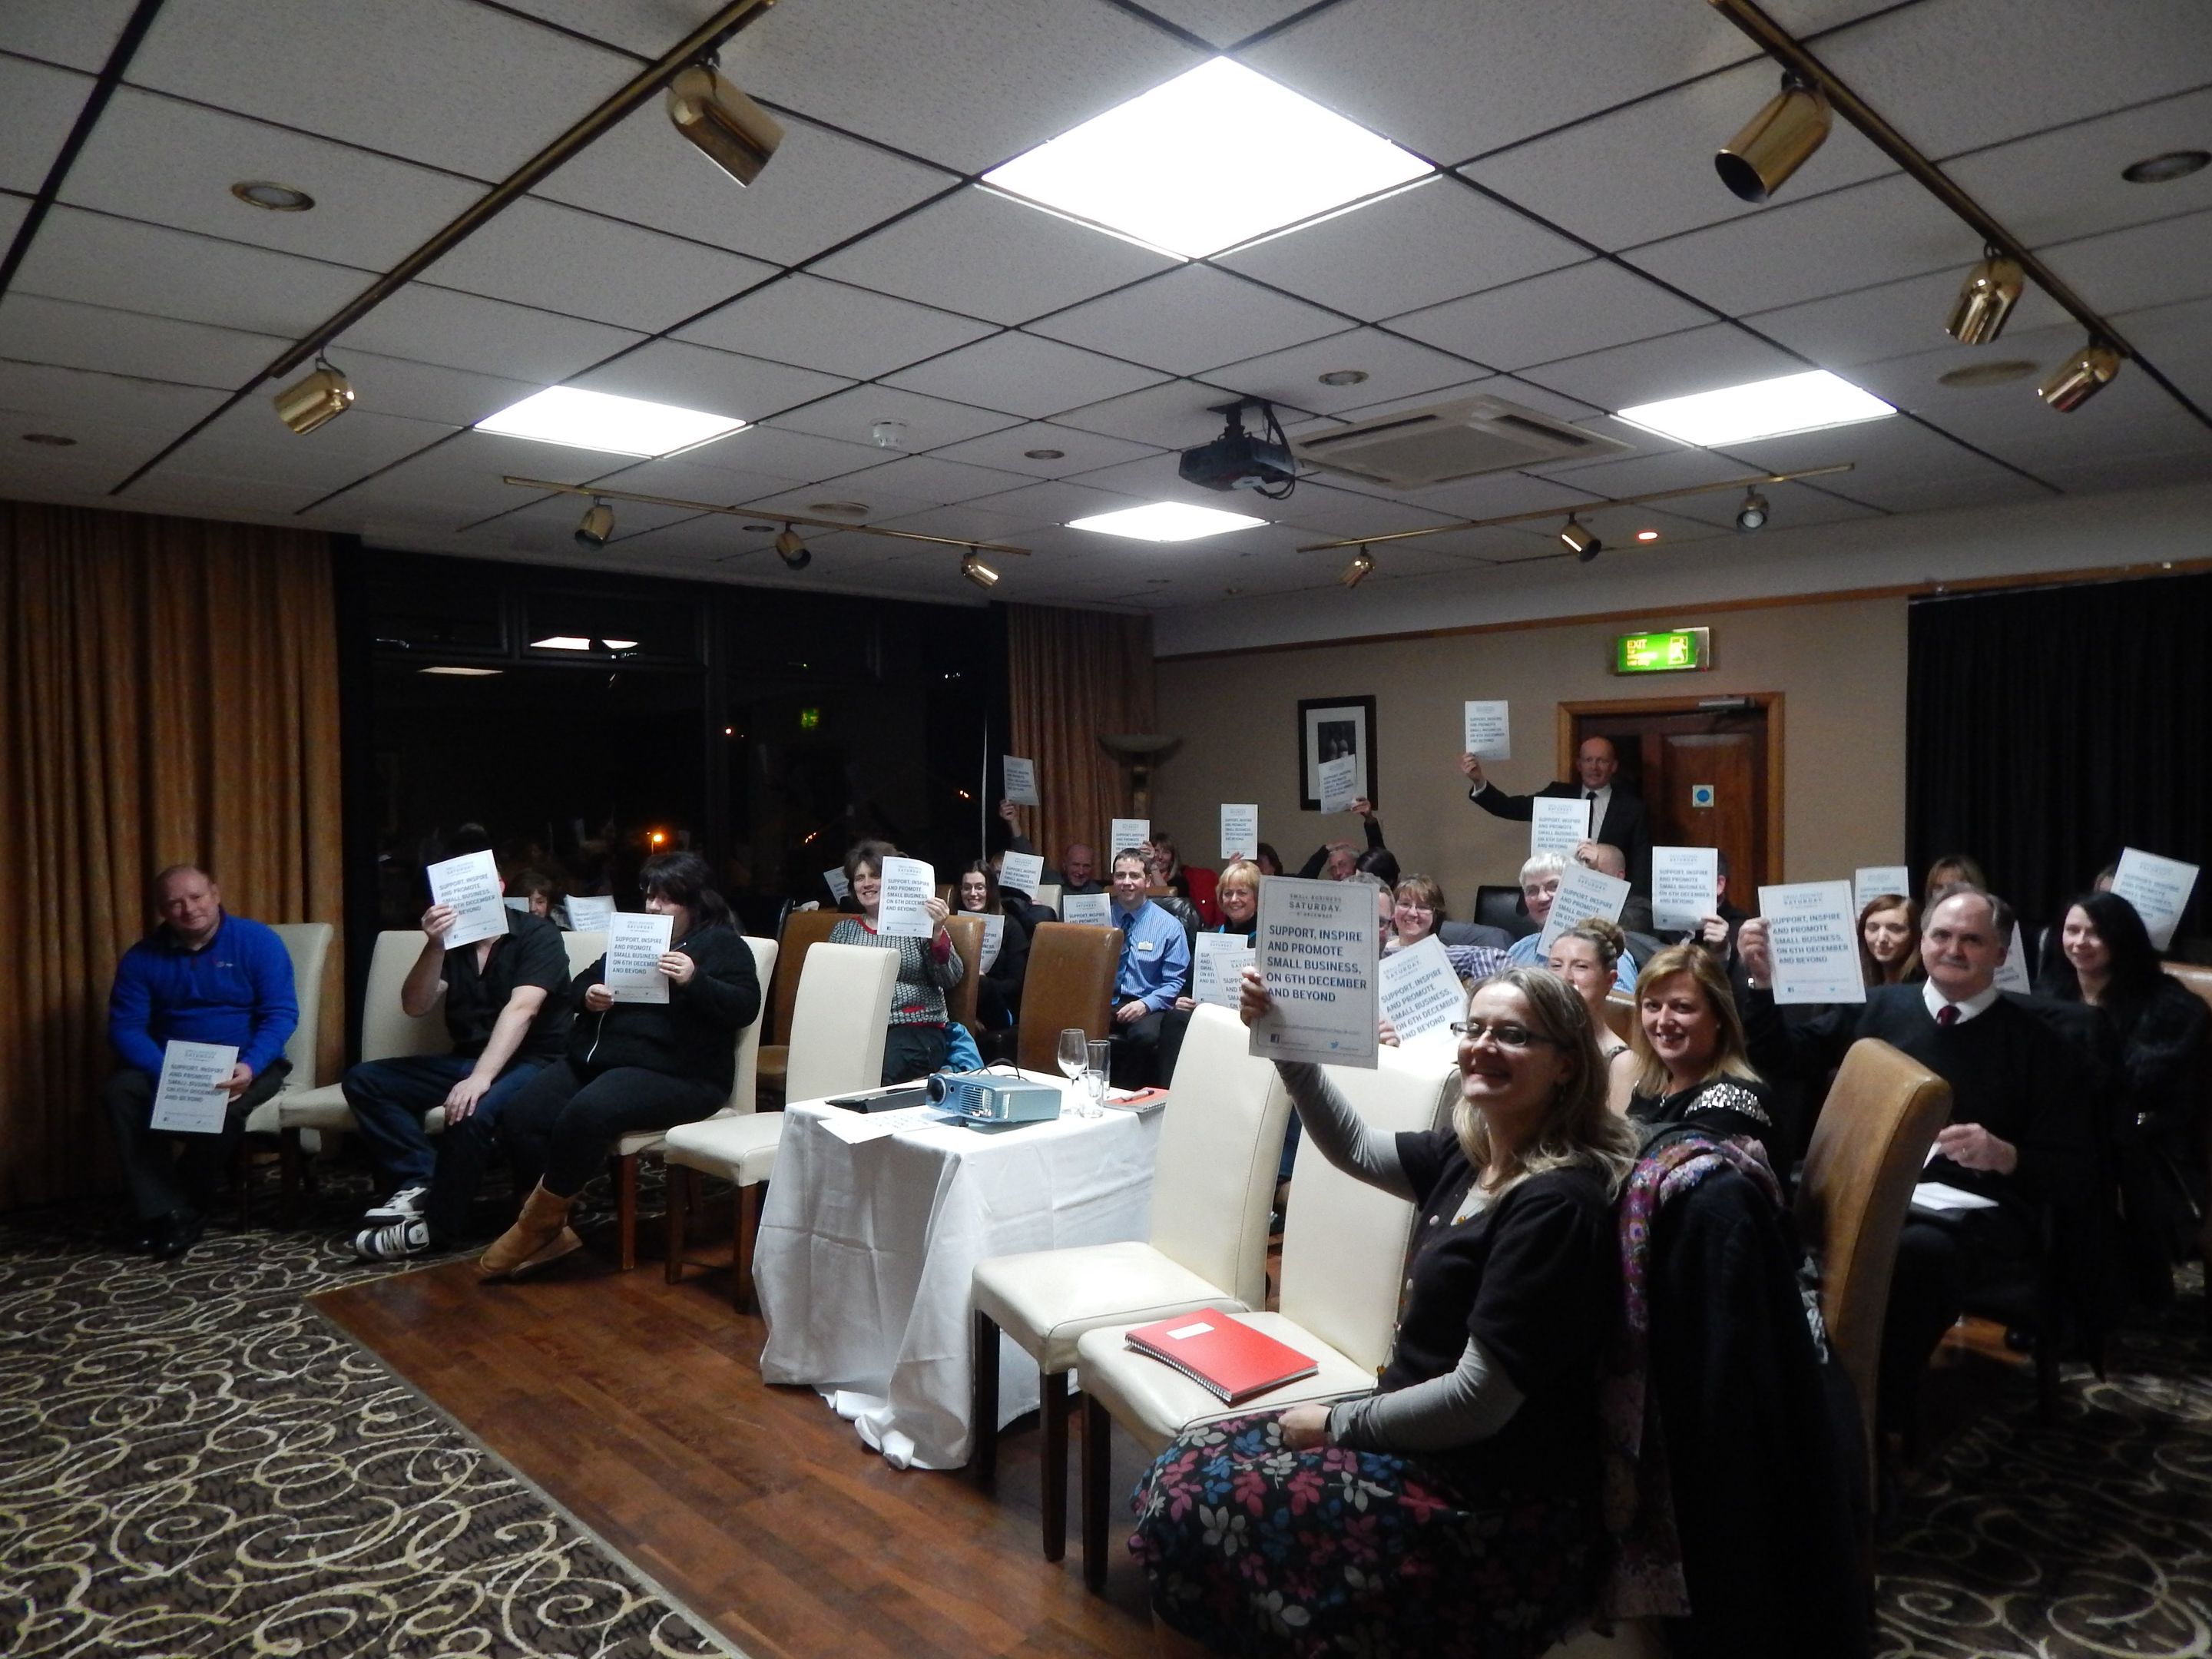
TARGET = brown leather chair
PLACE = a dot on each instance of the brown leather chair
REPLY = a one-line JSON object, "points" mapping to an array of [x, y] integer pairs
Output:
{"points": [[1620, 1014], [967, 933], [802, 931], [2199, 980], [1880, 1118], [1070, 982]]}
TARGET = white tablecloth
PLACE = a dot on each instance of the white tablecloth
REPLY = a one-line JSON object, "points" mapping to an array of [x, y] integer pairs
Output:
{"points": [[867, 1252]]}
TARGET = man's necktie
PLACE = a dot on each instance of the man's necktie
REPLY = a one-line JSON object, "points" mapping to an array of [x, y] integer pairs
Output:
{"points": [[1947, 1015]]}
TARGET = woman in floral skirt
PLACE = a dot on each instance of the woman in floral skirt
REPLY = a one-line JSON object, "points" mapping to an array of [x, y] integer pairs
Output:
{"points": [[1455, 1510]]}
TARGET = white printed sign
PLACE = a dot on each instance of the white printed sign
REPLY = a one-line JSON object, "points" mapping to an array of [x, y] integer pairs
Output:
{"points": [[994, 940], [1584, 893], [1419, 993], [2013, 975], [1219, 964], [1089, 909], [1339, 783], [1557, 826], [2159, 888], [1812, 929], [1125, 833], [1876, 880], [840, 889], [469, 886], [1682, 883], [1022, 872], [187, 1099], [1021, 780], [636, 941], [1489, 731], [1316, 949], [903, 911], [589, 915], [519, 906], [1240, 832]]}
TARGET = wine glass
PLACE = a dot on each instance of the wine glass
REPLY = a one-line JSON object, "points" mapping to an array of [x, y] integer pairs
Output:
{"points": [[1074, 1053]]}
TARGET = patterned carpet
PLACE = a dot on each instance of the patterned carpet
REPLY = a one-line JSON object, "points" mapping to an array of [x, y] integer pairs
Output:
{"points": [[194, 1463]]}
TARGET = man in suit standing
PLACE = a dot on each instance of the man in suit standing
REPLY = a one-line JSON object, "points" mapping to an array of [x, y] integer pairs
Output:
{"points": [[1617, 816]]}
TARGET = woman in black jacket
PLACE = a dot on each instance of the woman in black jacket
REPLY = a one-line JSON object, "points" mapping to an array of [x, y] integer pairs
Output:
{"points": [[630, 1066], [998, 998]]}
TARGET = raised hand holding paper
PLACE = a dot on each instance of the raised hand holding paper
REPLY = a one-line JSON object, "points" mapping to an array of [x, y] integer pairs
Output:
{"points": [[1557, 826], [1220, 962], [835, 882], [1339, 783], [587, 915], [1489, 733], [636, 941], [1419, 993], [994, 940], [908, 886], [1316, 949], [469, 886], [1021, 780], [2159, 888], [1683, 880], [188, 1098], [1813, 931], [1022, 872], [1240, 832], [1584, 893], [1091, 909], [1871, 882], [1126, 832]]}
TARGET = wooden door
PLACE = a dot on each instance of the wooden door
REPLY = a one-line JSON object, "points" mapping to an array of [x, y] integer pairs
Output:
{"points": [[1679, 759]]}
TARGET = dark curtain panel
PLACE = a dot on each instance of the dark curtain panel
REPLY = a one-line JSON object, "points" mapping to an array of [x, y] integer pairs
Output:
{"points": [[2049, 727]]}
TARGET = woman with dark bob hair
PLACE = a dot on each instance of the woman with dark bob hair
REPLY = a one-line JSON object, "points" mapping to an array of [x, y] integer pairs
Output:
{"points": [[630, 1066], [1454, 1510]]}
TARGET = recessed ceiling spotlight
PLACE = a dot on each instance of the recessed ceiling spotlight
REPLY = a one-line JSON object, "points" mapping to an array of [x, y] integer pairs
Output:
{"points": [[1343, 377], [1151, 169], [1997, 373], [598, 420], [1647, 535], [50, 440], [840, 509], [1762, 409], [1045, 454], [2164, 169], [889, 434], [1166, 521], [277, 198], [459, 673]]}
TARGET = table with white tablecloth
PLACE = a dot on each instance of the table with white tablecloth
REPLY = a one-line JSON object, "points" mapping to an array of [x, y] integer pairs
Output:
{"points": [[867, 1252]]}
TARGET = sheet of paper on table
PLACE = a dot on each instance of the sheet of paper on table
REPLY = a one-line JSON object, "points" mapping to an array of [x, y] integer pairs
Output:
{"points": [[1317, 948], [469, 886], [636, 940], [185, 1098], [854, 1128]]}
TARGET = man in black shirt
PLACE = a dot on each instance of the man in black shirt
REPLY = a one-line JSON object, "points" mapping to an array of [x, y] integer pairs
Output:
{"points": [[2022, 1132], [507, 1010]]}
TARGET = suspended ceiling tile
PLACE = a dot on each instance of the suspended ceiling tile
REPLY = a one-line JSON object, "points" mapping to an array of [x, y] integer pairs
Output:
{"points": [[1794, 507], [965, 522], [552, 521], [1024, 375], [1443, 239], [716, 382], [2153, 264], [107, 449], [1884, 454], [38, 104], [2064, 185], [967, 83], [931, 422], [249, 442], [96, 260], [1895, 319], [80, 34], [645, 28], [1493, 494], [928, 480], [681, 476], [1645, 171], [821, 188], [212, 495], [1673, 366], [14, 210], [1395, 369], [82, 402], [2177, 339], [984, 255], [1060, 501], [1327, 510], [1171, 417], [1643, 475], [1585, 307], [554, 258], [1993, 486], [443, 325], [428, 392], [1954, 74], [1793, 250], [169, 162], [1615, 527], [1190, 319], [1224, 23], [455, 85], [35, 329], [1155, 478], [1079, 452], [460, 480], [833, 327], [782, 454], [2137, 471], [1913, 380]]}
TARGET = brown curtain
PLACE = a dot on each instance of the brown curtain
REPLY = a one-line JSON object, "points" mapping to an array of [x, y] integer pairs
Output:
{"points": [[1073, 675], [168, 694]]}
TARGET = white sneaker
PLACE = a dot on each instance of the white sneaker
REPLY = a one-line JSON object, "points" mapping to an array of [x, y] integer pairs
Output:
{"points": [[393, 1242], [405, 1205]]}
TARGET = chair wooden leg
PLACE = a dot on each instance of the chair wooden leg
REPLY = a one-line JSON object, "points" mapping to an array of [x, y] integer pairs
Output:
{"points": [[625, 1183], [1097, 1480], [747, 1205], [983, 1437], [289, 1162], [675, 1224], [1052, 1464]]}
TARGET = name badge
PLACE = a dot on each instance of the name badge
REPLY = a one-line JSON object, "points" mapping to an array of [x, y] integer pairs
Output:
{"points": [[1145, 946]]}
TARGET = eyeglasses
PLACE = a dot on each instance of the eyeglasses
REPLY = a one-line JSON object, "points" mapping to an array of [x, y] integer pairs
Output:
{"points": [[1505, 1035]]}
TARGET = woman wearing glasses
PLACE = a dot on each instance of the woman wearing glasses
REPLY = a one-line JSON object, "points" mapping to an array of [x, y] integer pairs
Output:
{"points": [[1455, 1508], [1691, 1066]]}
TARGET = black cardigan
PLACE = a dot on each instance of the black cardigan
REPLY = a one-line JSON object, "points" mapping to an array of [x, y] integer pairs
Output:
{"points": [[693, 1034]]}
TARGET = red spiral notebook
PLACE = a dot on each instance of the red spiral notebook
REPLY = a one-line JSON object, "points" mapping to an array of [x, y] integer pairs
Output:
{"points": [[1221, 1354]]}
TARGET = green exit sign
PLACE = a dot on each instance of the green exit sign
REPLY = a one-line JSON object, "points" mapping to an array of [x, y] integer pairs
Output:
{"points": [[1683, 650]]}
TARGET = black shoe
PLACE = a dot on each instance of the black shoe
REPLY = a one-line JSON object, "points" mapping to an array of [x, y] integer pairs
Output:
{"points": [[175, 1233]]}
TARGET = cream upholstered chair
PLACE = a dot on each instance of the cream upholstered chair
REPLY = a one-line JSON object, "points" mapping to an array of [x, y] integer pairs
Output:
{"points": [[632, 1148], [308, 945], [802, 931], [1048, 895], [1344, 1249], [1214, 1184], [838, 1024]]}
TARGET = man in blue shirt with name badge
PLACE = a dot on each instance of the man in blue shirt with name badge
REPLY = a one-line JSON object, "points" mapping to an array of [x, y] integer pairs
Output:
{"points": [[1155, 967], [203, 976]]}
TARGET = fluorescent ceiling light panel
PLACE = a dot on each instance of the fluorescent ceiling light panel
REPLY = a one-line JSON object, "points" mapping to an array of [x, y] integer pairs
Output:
{"points": [[1211, 158], [560, 642], [1763, 409], [1165, 521], [596, 420]]}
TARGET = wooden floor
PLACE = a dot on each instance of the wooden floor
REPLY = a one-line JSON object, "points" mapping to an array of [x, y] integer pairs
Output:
{"points": [[639, 1405]]}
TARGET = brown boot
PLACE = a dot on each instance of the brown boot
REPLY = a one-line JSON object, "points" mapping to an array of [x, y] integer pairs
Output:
{"points": [[540, 1234]]}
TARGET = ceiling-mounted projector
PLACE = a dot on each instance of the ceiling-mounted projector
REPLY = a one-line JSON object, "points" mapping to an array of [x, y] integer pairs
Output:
{"points": [[1238, 460]]}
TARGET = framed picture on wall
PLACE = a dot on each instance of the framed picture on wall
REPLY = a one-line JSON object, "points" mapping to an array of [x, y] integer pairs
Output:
{"points": [[1329, 728]]}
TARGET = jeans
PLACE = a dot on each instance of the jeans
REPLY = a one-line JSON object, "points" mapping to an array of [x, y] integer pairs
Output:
{"points": [[561, 1127], [389, 1097]]}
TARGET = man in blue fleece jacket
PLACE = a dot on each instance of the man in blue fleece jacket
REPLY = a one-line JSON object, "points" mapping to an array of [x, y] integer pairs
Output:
{"points": [[202, 975]]}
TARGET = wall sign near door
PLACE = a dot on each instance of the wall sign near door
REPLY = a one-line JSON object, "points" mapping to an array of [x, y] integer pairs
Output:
{"points": [[1701, 794], [1679, 651]]}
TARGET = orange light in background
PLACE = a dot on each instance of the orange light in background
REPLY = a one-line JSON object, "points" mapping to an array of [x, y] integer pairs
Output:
{"points": [[963, 794], [1647, 535], [657, 838]]}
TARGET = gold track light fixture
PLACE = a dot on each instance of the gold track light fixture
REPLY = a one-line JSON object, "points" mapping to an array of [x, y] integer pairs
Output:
{"points": [[1362, 562], [1751, 513], [1580, 542], [1986, 299], [2080, 377], [321, 396], [597, 524], [733, 132], [1779, 139], [793, 551], [973, 567]]}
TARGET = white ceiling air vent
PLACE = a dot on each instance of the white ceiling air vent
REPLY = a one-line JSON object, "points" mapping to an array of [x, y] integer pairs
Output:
{"points": [[1433, 446]]}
